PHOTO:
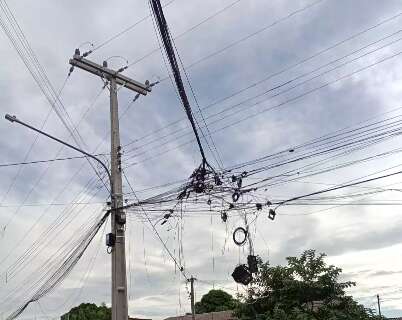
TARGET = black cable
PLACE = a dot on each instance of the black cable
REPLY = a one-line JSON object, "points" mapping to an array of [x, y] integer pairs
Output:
{"points": [[179, 266], [288, 68], [167, 41], [341, 144], [239, 104], [90, 184], [337, 188], [293, 99], [13, 164], [150, 53], [332, 168], [117, 35], [28, 56], [58, 220], [47, 267], [59, 223], [253, 34], [62, 270], [328, 138], [219, 159]]}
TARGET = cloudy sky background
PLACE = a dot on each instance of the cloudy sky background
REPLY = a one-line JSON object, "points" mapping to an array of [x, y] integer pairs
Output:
{"points": [[363, 240]]}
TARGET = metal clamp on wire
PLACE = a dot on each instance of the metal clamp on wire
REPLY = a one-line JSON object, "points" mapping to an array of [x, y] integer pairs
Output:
{"points": [[235, 196]]}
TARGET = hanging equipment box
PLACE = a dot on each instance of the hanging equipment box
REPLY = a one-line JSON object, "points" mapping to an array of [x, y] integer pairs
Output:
{"points": [[110, 240]]}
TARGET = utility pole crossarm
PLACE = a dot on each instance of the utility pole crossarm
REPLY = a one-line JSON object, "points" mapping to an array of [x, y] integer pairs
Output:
{"points": [[104, 72]]}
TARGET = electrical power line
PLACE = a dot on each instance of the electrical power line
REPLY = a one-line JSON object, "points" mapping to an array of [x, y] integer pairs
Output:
{"points": [[279, 105], [28, 56], [237, 105], [288, 68], [13, 164], [238, 41], [127, 29], [178, 265]]}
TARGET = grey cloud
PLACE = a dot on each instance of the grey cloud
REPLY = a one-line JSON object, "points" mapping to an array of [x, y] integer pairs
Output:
{"points": [[319, 113], [385, 273], [365, 241]]}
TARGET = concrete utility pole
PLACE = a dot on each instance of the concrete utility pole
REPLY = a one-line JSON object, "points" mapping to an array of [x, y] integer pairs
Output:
{"points": [[191, 280], [379, 305], [118, 217]]}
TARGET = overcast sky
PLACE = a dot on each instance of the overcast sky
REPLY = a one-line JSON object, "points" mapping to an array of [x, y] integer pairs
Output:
{"points": [[366, 241]]}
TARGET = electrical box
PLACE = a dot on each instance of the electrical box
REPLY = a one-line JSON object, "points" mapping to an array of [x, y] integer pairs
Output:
{"points": [[121, 218], [110, 240]]}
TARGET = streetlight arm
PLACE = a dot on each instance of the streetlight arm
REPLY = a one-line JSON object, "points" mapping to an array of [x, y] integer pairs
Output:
{"points": [[14, 119]]}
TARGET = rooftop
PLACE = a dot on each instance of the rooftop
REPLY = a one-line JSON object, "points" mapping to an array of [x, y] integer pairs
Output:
{"points": [[222, 315]]}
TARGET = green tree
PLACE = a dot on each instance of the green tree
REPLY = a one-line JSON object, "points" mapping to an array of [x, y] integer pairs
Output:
{"points": [[88, 311], [306, 289], [215, 300]]}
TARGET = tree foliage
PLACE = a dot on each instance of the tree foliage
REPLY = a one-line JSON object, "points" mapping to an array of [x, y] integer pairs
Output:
{"points": [[215, 300], [88, 311], [306, 289]]}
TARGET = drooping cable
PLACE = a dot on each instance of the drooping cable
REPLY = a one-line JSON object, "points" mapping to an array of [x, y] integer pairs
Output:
{"points": [[177, 264], [17, 37], [338, 188], [64, 268]]}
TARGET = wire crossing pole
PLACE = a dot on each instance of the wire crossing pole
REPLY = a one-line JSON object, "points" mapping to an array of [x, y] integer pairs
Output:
{"points": [[118, 217], [191, 280]]}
